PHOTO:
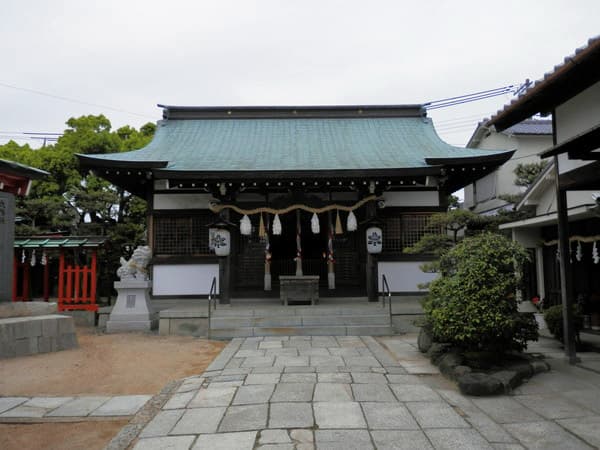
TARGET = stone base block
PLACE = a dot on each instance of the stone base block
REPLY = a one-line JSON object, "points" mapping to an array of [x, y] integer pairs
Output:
{"points": [[23, 336], [132, 311], [118, 326]]}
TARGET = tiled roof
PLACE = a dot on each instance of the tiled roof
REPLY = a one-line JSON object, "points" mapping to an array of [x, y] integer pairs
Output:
{"points": [[59, 242], [531, 126], [575, 73], [290, 144], [17, 169]]}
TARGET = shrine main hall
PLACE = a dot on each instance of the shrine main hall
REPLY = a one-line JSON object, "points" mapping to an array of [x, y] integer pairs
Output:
{"points": [[334, 192]]}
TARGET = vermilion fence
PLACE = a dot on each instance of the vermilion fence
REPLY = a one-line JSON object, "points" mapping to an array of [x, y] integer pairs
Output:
{"points": [[77, 286]]}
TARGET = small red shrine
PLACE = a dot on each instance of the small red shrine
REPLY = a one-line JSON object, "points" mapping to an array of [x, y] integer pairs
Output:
{"points": [[73, 260]]}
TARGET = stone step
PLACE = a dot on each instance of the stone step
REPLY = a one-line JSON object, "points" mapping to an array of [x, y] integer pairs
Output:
{"points": [[350, 330], [298, 321], [317, 310]]}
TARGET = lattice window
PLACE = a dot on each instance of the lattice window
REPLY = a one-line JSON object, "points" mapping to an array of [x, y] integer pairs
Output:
{"points": [[414, 226], [404, 230], [392, 235], [181, 235]]}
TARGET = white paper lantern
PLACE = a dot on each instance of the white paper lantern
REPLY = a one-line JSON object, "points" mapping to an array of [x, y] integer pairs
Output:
{"points": [[220, 240], [374, 240], [351, 224], [276, 225], [314, 224], [245, 226]]}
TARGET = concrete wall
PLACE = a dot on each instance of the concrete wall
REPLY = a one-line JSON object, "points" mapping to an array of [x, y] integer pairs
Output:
{"points": [[183, 279], [7, 234], [404, 276]]}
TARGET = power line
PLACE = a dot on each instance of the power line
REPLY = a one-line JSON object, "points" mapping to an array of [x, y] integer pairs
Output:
{"points": [[72, 100], [475, 96]]}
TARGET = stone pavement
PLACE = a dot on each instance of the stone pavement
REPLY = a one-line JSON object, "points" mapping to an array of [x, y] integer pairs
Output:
{"points": [[45, 409], [349, 392]]}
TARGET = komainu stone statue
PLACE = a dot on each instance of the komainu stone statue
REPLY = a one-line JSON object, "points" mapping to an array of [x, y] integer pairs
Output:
{"points": [[136, 267]]}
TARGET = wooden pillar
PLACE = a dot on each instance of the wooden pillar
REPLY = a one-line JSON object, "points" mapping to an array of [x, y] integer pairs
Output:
{"points": [[93, 276], [299, 271], [61, 276], [46, 279], [371, 268], [26, 282], [225, 263], [330, 257], [566, 290], [267, 280]]}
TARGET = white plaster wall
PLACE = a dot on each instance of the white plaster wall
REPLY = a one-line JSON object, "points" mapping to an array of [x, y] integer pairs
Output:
{"points": [[412, 198], [547, 201], [578, 114], [531, 238], [404, 276], [182, 201], [183, 279], [574, 117], [502, 181]]}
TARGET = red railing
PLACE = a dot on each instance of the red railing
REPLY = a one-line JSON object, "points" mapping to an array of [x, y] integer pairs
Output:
{"points": [[77, 286]]}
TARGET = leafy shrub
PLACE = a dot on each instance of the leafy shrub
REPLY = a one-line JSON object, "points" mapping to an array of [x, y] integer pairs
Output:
{"points": [[554, 320], [473, 305]]}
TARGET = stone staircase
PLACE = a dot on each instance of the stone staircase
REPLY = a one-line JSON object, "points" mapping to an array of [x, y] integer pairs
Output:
{"points": [[330, 319]]}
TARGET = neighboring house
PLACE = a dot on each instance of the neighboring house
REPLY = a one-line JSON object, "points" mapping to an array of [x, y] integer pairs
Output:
{"points": [[529, 138], [566, 229], [306, 167]]}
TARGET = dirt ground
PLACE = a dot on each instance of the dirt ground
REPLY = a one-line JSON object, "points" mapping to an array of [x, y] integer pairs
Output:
{"points": [[105, 364]]}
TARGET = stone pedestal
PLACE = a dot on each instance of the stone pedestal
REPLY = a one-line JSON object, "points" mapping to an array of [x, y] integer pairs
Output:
{"points": [[132, 311]]}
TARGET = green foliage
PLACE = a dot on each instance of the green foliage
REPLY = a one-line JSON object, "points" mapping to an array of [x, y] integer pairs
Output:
{"points": [[67, 199], [527, 173], [554, 320], [473, 305], [434, 244]]}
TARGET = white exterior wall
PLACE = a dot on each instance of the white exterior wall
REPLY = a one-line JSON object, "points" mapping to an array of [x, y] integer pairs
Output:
{"points": [[502, 181], [412, 198], [404, 276], [574, 117], [183, 279], [530, 238], [181, 201]]}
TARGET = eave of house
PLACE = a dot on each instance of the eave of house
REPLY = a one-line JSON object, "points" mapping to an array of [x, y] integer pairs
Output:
{"points": [[578, 72]]}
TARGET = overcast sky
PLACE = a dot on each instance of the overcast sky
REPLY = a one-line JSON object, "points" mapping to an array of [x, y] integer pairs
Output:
{"points": [[122, 57]]}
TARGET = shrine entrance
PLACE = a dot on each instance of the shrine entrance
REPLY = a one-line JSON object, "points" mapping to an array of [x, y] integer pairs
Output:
{"points": [[315, 249]]}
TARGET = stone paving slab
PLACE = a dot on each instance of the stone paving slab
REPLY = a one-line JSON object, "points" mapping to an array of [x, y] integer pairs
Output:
{"points": [[75, 407], [352, 392], [125, 405]]}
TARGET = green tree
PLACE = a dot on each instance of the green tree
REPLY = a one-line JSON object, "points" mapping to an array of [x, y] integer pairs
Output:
{"points": [[79, 203], [473, 304]]}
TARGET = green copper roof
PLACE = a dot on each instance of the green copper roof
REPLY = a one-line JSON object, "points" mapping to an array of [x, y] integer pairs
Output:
{"points": [[287, 143]]}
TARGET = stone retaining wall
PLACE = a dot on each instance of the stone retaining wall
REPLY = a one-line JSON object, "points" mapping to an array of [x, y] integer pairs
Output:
{"points": [[22, 336]]}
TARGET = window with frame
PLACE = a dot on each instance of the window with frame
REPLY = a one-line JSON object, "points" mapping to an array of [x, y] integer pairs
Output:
{"points": [[182, 234], [404, 230]]}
